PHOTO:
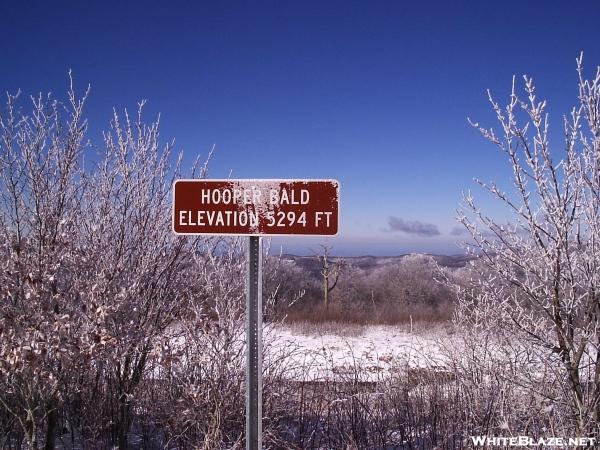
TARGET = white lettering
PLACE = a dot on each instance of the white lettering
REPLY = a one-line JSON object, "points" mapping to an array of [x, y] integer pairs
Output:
{"points": [[247, 193], [304, 197], [205, 196], [230, 196], [289, 197], [478, 440], [318, 217], [284, 199], [226, 197]]}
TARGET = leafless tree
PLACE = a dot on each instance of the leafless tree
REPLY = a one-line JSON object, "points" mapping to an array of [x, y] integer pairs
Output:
{"points": [[330, 271], [91, 274], [139, 266], [536, 282], [42, 331]]}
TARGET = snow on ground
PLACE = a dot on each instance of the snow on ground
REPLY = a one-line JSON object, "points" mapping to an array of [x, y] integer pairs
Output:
{"points": [[368, 353]]}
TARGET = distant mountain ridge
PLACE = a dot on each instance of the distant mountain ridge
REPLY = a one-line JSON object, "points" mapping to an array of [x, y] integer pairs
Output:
{"points": [[369, 262]]}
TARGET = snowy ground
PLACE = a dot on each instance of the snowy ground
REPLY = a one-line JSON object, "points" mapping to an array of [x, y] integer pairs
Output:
{"points": [[369, 353], [332, 352]]}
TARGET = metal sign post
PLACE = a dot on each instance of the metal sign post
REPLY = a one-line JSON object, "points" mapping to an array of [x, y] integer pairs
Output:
{"points": [[255, 208], [254, 344]]}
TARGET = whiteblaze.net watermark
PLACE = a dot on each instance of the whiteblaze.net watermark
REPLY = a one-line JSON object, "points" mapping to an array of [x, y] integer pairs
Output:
{"points": [[527, 441]]}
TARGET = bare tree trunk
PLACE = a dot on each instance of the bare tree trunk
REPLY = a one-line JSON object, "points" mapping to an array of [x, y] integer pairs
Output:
{"points": [[52, 425], [596, 394], [127, 385], [31, 432], [328, 271], [124, 422]]}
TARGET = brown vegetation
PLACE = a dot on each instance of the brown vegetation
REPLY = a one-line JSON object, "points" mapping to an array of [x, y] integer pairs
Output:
{"points": [[397, 293], [114, 333]]}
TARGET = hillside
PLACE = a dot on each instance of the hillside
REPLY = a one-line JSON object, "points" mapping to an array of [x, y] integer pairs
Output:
{"points": [[369, 262]]}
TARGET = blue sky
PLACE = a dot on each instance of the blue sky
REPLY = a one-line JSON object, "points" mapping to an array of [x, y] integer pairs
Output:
{"points": [[374, 94]]}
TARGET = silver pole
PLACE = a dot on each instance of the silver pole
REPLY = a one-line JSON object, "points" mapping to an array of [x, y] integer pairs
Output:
{"points": [[254, 344]]}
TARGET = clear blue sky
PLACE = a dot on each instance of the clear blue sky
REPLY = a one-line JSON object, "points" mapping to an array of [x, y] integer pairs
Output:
{"points": [[374, 94]]}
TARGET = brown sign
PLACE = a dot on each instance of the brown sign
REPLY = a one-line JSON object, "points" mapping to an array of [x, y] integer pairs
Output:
{"points": [[256, 207]]}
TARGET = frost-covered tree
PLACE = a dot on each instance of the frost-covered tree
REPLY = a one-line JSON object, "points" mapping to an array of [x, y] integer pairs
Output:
{"points": [[538, 274], [43, 334], [139, 266], [330, 271], [91, 275]]}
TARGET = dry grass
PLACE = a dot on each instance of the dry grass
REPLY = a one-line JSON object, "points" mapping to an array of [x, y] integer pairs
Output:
{"points": [[319, 328], [385, 314]]}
